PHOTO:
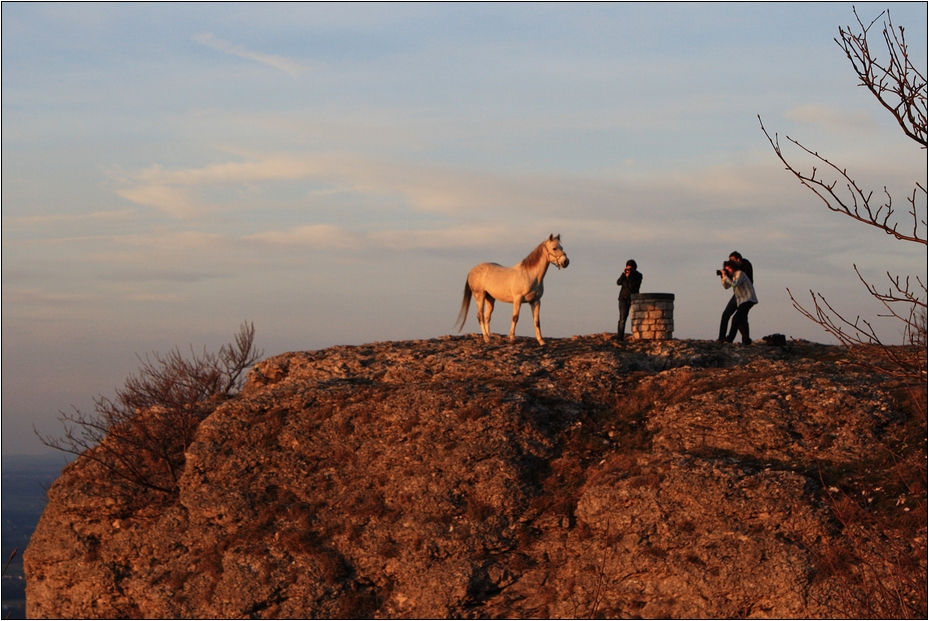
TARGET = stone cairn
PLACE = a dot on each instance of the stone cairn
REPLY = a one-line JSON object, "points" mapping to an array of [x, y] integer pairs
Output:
{"points": [[652, 315]]}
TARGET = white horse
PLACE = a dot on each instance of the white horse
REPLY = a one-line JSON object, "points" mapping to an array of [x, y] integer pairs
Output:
{"points": [[521, 283]]}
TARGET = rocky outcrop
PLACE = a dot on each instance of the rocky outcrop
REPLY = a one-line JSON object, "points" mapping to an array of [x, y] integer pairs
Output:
{"points": [[448, 478]]}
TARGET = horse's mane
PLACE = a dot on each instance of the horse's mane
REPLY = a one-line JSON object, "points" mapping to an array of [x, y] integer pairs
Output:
{"points": [[534, 256]]}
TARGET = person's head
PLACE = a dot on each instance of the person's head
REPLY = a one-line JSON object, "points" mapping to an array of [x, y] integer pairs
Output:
{"points": [[630, 266], [735, 257], [730, 266]]}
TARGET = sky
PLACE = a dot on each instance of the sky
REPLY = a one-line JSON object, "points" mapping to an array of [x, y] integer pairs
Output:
{"points": [[331, 172]]}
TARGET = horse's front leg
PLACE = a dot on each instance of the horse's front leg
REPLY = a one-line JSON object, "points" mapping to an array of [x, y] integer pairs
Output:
{"points": [[516, 304], [535, 320]]}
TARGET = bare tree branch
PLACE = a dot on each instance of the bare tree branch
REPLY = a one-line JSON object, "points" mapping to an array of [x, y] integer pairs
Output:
{"points": [[901, 89], [897, 84], [907, 362], [142, 435], [857, 204]]}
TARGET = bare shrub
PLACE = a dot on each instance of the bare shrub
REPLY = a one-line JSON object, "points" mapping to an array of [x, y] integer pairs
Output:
{"points": [[875, 566], [875, 571], [141, 435], [901, 89]]}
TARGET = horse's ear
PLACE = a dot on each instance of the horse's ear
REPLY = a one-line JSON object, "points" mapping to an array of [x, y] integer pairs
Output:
{"points": [[558, 236]]}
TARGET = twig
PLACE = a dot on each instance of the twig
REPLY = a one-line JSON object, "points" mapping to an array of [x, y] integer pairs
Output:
{"points": [[9, 560]]}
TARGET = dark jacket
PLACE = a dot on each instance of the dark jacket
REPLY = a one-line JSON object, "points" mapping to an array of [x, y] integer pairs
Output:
{"points": [[630, 285], [746, 268]]}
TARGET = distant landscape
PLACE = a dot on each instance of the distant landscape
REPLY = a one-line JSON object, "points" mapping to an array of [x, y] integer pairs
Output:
{"points": [[25, 479]]}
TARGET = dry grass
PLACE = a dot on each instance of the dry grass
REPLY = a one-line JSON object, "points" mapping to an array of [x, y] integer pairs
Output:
{"points": [[876, 565], [873, 571]]}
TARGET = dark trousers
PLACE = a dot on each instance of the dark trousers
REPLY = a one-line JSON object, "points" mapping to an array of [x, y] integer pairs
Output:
{"points": [[624, 306], [741, 326], [740, 323]]}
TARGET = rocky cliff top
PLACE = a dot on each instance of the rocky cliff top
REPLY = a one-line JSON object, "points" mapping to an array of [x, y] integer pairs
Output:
{"points": [[448, 478]]}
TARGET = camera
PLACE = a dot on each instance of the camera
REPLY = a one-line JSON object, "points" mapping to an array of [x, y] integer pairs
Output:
{"points": [[719, 272]]}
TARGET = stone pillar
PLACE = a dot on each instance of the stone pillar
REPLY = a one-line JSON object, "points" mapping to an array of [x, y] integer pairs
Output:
{"points": [[652, 315]]}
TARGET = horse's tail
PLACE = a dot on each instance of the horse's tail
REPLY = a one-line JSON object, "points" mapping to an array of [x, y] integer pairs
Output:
{"points": [[465, 305]]}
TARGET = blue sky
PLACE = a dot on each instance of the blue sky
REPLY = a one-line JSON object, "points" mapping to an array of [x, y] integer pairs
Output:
{"points": [[331, 172]]}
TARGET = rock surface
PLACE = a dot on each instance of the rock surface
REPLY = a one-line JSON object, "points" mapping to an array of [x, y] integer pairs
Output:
{"points": [[451, 479]]}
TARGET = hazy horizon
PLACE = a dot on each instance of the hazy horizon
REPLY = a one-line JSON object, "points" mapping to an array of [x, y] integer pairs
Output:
{"points": [[331, 172]]}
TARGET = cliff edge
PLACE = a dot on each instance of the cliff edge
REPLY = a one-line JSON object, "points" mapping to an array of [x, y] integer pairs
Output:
{"points": [[446, 478]]}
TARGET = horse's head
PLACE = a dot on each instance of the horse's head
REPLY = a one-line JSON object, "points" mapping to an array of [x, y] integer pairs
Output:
{"points": [[555, 252]]}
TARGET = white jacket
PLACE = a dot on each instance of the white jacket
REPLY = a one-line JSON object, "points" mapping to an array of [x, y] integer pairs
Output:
{"points": [[741, 286]]}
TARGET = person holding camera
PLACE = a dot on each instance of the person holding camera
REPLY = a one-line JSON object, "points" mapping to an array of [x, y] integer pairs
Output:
{"points": [[744, 266], [743, 294], [629, 283]]}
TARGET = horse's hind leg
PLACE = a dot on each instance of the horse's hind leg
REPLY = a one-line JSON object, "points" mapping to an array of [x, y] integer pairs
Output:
{"points": [[479, 303], [485, 326], [483, 318]]}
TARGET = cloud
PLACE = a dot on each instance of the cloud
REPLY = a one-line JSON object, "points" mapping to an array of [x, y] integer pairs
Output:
{"points": [[288, 66], [468, 205], [413, 206], [178, 192], [327, 236], [39, 297], [173, 201], [175, 192], [437, 239], [264, 168], [146, 275], [315, 235], [833, 120], [155, 297], [424, 188], [21, 222], [172, 242]]}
